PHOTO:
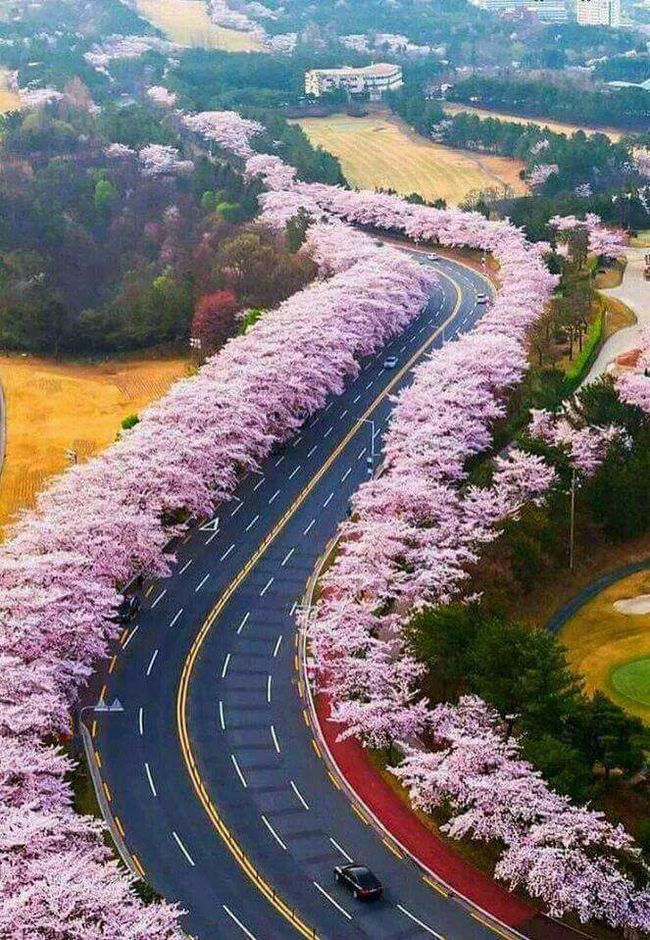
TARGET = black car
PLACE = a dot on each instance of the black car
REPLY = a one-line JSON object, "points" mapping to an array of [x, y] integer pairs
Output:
{"points": [[359, 881]]}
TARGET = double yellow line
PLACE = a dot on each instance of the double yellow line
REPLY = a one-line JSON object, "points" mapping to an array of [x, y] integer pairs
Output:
{"points": [[188, 667]]}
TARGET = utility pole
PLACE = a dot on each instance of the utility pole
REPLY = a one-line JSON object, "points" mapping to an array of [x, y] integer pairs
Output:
{"points": [[572, 521]]}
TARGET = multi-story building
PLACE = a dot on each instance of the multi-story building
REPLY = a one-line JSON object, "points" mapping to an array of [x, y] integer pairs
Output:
{"points": [[375, 80], [599, 12], [550, 11]]}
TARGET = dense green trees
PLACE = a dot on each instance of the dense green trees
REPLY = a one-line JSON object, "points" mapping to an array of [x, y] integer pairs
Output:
{"points": [[626, 107], [574, 739]]}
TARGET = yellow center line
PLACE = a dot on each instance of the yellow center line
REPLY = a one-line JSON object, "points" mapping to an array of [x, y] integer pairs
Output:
{"points": [[193, 654]]}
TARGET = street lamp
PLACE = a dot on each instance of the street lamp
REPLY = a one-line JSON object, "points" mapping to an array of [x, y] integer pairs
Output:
{"points": [[196, 345]]}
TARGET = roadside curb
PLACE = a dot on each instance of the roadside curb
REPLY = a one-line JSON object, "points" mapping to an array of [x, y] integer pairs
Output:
{"points": [[432, 878]]}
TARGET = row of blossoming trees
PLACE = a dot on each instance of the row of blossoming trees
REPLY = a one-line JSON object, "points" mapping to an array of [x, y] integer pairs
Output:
{"points": [[413, 534], [99, 523]]}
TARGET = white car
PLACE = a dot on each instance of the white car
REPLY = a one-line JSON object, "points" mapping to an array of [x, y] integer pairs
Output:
{"points": [[482, 298], [433, 257], [390, 362]]}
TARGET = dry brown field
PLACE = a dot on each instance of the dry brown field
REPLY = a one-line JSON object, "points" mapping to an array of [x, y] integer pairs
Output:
{"points": [[556, 126], [379, 151], [187, 23], [9, 100], [53, 407]]}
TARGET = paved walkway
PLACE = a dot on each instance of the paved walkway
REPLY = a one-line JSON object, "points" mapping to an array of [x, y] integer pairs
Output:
{"points": [[635, 292]]}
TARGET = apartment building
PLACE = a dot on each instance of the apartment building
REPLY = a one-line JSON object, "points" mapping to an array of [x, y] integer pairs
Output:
{"points": [[599, 12]]}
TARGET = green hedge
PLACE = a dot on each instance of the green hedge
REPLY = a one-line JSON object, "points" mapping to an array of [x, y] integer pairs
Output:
{"points": [[588, 356]]}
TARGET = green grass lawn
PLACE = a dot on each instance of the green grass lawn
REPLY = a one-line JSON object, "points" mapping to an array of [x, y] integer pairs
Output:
{"points": [[633, 680]]}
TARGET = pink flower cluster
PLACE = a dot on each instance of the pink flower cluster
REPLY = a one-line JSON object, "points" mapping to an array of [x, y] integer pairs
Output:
{"points": [[634, 387], [162, 96], [159, 160], [585, 445], [227, 129], [540, 173], [100, 522], [604, 242], [568, 856]]}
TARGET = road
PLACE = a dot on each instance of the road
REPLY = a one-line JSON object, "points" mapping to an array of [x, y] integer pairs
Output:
{"points": [[635, 292], [213, 743]]}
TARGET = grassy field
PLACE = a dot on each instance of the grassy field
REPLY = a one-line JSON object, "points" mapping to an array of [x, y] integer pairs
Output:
{"points": [[642, 240], [612, 649], [52, 407], [380, 151], [187, 23], [9, 100], [556, 126]]}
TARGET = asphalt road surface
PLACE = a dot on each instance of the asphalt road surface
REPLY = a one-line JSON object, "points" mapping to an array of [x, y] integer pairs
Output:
{"points": [[214, 690]]}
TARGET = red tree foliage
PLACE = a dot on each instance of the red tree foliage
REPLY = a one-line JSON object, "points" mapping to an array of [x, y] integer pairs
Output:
{"points": [[214, 319]]}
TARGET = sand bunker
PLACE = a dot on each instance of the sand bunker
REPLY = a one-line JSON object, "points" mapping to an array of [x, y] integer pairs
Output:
{"points": [[634, 605]]}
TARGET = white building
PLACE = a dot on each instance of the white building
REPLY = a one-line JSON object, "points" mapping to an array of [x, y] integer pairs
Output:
{"points": [[550, 11], [599, 12], [376, 80]]}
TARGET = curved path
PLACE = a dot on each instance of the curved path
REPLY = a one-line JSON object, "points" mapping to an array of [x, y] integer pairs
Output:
{"points": [[212, 774]]}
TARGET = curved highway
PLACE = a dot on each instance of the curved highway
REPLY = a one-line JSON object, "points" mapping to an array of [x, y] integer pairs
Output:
{"points": [[211, 772]]}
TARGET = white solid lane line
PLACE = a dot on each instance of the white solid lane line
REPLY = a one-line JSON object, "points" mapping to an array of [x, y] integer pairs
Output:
{"points": [[244, 930], [287, 557], [238, 769], [131, 635], [266, 586], [276, 743], [300, 796], [420, 923], [340, 849], [243, 623], [201, 583], [252, 523], [151, 662], [158, 599], [312, 523], [183, 849], [225, 665], [176, 617], [332, 901], [222, 720], [268, 688], [273, 832], [140, 720], [150, 778], [294, 472], [274, 497], [227, 552]]}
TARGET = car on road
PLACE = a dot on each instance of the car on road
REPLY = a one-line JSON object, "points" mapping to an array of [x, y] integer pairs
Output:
{"points": [[390, 362], [433, 257], [359, 880], [482, 298]]}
